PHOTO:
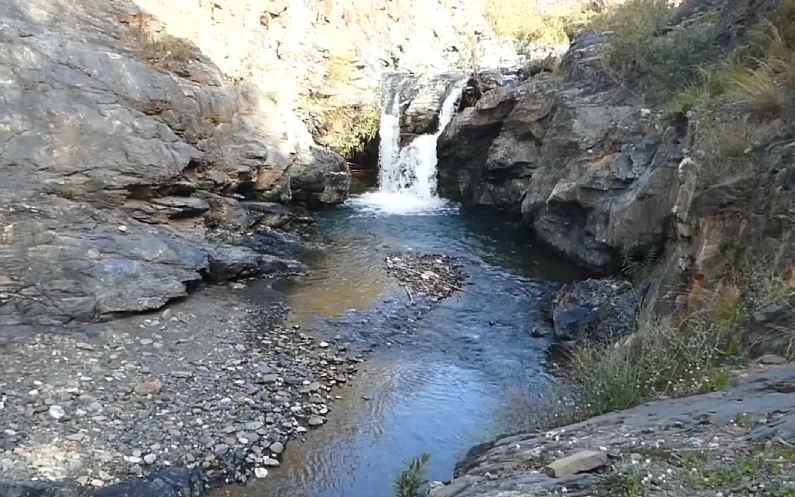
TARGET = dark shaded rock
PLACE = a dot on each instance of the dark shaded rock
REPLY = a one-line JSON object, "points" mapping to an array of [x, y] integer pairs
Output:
{"points": [[228, 262], [105, 264], [274, 243], [571, 321], [583, 59], [602, 310], [590, 176], [769, 331], [268, 214], [172, 482], [35, 489]]}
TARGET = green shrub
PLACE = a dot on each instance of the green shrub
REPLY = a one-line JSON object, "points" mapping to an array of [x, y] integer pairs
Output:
{"points": [[660, 359], [348, 130]]}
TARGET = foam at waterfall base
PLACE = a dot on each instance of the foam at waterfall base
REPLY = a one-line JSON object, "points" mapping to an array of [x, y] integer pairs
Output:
{"points": [[406, 204]]}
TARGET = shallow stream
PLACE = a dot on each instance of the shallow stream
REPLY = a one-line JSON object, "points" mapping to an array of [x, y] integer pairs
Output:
{"points": [[440, 380], [467, 371]]}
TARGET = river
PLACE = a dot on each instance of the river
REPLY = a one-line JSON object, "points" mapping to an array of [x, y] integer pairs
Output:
{"points": [[469, 370]]}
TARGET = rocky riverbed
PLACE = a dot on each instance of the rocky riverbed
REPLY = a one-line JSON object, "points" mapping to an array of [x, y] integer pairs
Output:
{"points": [[207, 391], [212, 383]]}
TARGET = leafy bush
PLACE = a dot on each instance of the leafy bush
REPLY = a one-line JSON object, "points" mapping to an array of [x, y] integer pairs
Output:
{"points": [[348, 130]]}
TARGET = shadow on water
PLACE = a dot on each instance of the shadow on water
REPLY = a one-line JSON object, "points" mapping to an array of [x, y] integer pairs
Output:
{"points": [[455, 378]]}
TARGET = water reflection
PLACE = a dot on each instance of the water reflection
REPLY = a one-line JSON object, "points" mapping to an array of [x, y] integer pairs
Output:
{"points": [[466, 374]]}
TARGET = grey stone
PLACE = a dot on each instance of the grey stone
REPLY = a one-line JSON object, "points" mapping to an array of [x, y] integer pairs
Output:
{"points": [[772, 359], [270, 378], [580, 462], [277, 447], [57, 412]]}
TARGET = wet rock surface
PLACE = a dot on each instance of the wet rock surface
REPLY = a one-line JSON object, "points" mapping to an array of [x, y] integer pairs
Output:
{"points": [[212, 384], [733, 442]]}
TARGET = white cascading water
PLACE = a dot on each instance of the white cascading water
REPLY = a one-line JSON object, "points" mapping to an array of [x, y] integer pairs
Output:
{"points": [[407, 176]]}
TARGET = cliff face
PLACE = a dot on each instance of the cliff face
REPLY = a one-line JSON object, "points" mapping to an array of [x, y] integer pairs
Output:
{"points": [[135, 137], [590, 173], [321, 55], [597, 172]]}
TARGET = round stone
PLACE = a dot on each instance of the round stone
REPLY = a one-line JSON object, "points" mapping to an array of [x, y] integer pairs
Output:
{"points": [[57, 412]]}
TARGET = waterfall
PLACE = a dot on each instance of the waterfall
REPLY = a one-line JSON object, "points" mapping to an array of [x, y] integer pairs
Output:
{"points": [[407, 176]]}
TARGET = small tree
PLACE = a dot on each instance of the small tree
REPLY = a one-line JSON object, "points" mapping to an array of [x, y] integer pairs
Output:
{"points": [[411, 482], [473, 61]]}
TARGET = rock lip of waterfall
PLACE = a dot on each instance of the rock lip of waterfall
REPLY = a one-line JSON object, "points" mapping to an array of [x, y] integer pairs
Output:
{"points": [[407, 175]]}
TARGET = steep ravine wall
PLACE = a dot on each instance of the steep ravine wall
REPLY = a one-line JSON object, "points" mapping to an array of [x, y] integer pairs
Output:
{"points": [[139, 140]]}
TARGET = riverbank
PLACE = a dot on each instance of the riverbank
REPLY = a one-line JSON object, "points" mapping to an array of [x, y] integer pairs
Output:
{"points": [[207, 392], [737, 441], [213, 382]]}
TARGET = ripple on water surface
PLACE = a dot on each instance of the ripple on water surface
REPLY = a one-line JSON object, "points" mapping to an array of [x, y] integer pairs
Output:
{"points": [[466, 374]]}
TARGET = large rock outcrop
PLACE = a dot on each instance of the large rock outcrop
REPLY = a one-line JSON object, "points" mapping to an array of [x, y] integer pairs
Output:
{"points": [[648, 440], [122, 155], [591, 176]]}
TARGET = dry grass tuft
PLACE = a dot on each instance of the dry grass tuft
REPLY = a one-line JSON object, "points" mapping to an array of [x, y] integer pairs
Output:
{"points": [[339, 69], [527, 22], [757, 88], [170, 48], [661, 359], [729, 148]]}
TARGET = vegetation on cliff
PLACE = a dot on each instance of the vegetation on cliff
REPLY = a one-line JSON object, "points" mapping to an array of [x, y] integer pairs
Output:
{"points": [[736, 98]]}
